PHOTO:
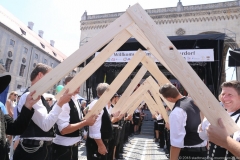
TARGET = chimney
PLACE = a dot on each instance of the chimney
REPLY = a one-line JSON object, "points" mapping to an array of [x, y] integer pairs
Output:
{"points": [[40, 33], [84, 16], [52, 43], [30, 25]]}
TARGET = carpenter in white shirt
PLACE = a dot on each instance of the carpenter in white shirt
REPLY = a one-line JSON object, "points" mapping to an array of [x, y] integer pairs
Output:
{"points": [[177, 121], [94, 130], [63, 121], [41, 117]]}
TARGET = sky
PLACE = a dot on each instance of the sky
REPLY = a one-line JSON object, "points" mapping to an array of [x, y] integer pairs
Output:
{"points": [[60, 19]]}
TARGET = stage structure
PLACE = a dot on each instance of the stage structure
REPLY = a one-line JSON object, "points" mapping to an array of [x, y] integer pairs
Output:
{"points": [[209, 71], [137, 23]]}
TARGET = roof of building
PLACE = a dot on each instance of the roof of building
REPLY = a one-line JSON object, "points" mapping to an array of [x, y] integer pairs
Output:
{"points": [[17, 26]]}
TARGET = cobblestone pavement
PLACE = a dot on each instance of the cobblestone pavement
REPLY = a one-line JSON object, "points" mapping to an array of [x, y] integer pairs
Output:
{"points": [[140, 147]]}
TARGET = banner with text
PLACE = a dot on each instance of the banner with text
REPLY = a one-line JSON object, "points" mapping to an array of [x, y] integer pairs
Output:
{"points": [[190, 55]]}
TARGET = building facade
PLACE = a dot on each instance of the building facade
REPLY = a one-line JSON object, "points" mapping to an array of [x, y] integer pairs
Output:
{"points": [[21, 49], [222, 17]]}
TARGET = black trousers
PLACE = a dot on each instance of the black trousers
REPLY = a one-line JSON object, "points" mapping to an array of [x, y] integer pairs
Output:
{"points": [[186, 155], [113, 142], [127, 125], [161, 135], [122, 138], [60, 152], [43, 153], [3, 152], [92, 150], [167, 139], [119, 148]]}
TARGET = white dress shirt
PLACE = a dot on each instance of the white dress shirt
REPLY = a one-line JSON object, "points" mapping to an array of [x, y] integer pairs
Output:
{"points": [[109, 109], [177, 122], [63, 121], [41, 117], [94, 130], [205, 124], [158, 117], [137, 111]]}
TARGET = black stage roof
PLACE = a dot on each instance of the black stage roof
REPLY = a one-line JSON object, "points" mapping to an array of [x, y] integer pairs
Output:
{"points": [[209, 72]]}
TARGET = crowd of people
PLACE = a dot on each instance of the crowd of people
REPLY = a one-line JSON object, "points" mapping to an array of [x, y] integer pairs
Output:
{"points": [[46, 129]]}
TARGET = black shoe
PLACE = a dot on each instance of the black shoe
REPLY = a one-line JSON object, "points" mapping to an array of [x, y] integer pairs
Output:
{"points": [[160, 147], [167, 155], [120, 157]]}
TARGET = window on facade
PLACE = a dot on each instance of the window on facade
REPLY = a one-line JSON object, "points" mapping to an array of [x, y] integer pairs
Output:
{"points": [[36, 56], [19, 86], [23, 32], [73, 73], [54, 54], [12, 42], [45, 61], [8, 64], [9, 53], [23, 60], [22, 70], [25, 50], [42, 45]]}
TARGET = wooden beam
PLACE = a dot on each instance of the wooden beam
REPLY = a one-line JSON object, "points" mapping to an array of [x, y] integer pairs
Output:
{"points": [[129, 90], [81, 55], [135, 105], [141, 38], [158, 75], [135, 96], [153, 69], [157, 104], [117, 82], [95, 63], [150, 105], [201, 95]]}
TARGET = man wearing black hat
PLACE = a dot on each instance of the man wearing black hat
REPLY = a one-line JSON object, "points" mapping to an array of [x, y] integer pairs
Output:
{"points": [[7, 124], [36, 140]]}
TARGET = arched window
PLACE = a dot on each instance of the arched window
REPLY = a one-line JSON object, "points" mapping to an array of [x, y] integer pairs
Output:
{"points": [[8, 64], [36, 56], [9, 53], [23, 60], [21, 73]]}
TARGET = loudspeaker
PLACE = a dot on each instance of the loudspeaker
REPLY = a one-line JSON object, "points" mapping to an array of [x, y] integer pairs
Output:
{"points": [[232, 62]]}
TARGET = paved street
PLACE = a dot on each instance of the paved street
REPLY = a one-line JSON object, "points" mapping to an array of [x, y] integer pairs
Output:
{"points": [[140, 147]]}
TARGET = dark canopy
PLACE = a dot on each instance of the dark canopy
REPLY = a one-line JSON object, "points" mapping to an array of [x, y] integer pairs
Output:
{"points": [[209, 72]]}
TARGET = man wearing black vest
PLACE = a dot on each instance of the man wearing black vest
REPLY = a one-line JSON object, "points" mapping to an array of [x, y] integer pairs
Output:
{"points": [[230, 97], [35, 142], [8, 125], [184, 120], [68, 134], [101, 132]]}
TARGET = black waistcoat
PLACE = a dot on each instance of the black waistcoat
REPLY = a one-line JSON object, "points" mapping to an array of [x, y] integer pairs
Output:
{"points": [[106, 126], [33, 130], [74, 118], [219, 152], [193, 120], [136, 114]]}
